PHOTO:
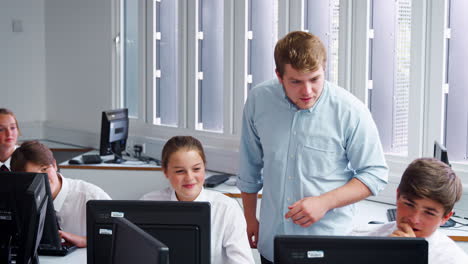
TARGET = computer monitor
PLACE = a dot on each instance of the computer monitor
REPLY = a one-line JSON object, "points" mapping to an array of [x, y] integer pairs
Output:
{"points": [[114, 133], [131, 244], [184, 227], [23, 205], [440, 152], [349, 249]]}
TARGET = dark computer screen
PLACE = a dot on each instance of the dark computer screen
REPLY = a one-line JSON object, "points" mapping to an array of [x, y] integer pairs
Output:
{"points": [[114, 133], [23, 205], [184, 227], [350, 249], [440, 153], [131, 244]]}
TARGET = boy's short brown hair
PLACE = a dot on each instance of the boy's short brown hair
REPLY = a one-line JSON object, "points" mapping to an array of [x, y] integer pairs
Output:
{"points": [[31, 151], [432, 179], [304, 51]]}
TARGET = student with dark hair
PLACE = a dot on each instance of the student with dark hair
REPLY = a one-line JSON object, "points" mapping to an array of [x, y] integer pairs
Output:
{"points": [[9, 132], [426, 195], [69, 195], [183, 163]]}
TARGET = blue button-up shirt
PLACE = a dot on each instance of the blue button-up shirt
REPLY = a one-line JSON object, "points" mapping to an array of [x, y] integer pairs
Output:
{"points": [[293, 154]]}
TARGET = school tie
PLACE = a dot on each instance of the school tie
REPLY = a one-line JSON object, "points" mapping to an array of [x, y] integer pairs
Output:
{"points": [[4, 168]]}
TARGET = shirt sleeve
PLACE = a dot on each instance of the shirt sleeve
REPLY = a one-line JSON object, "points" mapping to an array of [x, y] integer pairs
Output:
{"points": [[96, 193], [235, 240], [250, 178], [365, 153]]}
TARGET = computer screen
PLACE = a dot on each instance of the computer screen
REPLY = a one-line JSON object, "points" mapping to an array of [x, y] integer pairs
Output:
{"points": [[132, 244], [440, 153], [350, 250], [23, 205], [184, 227], [114, 133]]}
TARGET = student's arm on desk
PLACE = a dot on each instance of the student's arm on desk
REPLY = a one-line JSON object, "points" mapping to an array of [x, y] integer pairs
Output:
{"points": [[249, 200], [76, 240]]}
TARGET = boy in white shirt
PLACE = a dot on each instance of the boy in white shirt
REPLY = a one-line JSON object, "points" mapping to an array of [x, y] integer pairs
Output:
{"points": [[69, 195], [425, 198]]}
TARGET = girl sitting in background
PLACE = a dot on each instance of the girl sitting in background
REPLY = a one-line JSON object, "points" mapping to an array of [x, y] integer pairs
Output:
{"points": [[183, 164]]}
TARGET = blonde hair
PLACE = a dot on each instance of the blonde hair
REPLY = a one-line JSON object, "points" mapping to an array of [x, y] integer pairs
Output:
{"points": [[5, 111]]}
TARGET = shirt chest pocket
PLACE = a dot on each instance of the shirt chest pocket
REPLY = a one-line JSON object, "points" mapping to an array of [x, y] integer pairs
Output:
{"points": [[320, 160]]}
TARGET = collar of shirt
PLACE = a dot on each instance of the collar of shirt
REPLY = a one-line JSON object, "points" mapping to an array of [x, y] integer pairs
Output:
{"points": [[293, 106], [62, 195], [6, 163], [200, 197]]}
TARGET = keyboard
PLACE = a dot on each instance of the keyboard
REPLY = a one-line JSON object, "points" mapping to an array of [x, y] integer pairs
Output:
{"points": [[391, 214], [216, 180], [91, 159], [49, 250]]}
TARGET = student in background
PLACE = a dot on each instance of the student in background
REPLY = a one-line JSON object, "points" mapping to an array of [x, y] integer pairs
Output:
{"points": [[183, 163], [8, 136], [425, 198], [69, 195]]}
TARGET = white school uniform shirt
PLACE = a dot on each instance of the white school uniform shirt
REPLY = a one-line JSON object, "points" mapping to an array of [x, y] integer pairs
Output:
{"points": [[7, 162], [70, 204], [442, 249], [229, 242]]}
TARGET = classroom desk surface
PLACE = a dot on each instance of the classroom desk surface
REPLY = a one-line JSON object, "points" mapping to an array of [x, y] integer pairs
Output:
{"points": [[129, 164], [76, 257]]}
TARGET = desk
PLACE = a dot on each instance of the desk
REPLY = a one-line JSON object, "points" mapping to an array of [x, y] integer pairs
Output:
{"points": [[76, 257], [126, 181]]}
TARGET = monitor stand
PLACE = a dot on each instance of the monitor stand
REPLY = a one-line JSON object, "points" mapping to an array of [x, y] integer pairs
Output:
{"points": [[117, 149], [117, 160]]}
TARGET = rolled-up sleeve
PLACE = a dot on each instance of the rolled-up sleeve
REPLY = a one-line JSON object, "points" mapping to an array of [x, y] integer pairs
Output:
{"points": [[365, 153], [250, 178]]}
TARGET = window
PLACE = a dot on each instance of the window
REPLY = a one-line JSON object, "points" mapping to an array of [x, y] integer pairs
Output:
{"points": [[130, 61], [321, 18], [403, 58], [210, 66], [389, 75], [166, 77], [456, 87], [262, 36]]}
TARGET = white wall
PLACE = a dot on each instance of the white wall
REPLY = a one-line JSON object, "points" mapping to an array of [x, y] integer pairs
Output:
{"points": [[22, 63], [79, 68]]}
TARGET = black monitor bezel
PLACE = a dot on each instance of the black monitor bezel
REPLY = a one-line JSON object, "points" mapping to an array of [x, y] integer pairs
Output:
{"points": [[440, 152], [99, 216], [106, 147], [28, 199], [371, 246]]}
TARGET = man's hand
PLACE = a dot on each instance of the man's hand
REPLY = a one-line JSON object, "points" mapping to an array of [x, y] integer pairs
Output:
{"points": [[252, 232], [307, 211], [79, 241], [404, 230]]}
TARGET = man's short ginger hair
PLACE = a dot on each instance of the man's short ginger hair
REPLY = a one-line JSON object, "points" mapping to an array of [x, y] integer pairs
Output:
{"points": [[304, 51]]}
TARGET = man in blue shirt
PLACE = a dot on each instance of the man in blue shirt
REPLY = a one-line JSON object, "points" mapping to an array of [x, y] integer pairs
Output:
{"points": [[312, 146]]}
